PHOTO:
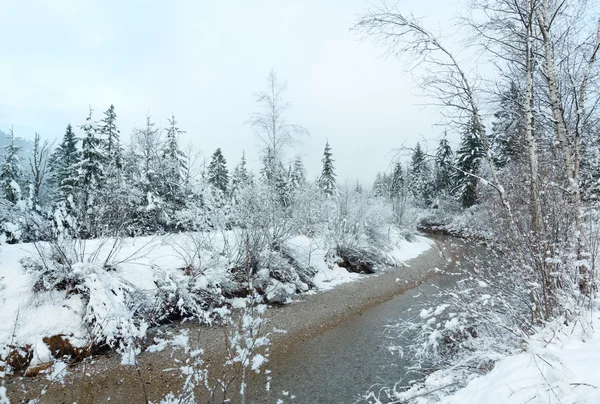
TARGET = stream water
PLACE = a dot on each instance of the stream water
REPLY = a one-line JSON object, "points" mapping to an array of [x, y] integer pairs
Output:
{"points": [[343, 363]]}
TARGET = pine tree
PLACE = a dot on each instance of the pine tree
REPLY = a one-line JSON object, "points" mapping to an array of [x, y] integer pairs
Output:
{"points": [[468, 160], [112, 144], [91, 180], [327, 179], [420, 176], [218, 176], [64, 163], [91, 166], [12, 170], [358, 188], [175, 165], [397, 181], [240, 177], [506, 138], [444, 158], [297, 173]]}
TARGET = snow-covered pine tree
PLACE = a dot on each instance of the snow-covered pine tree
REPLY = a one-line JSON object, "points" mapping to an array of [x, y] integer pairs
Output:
{"points": [[174, 161], [358, 188], [327, 178], [218, 175], [111, 138], [275, 177], [297, 173], [420, 176], [468, 161], [91, 177], [143, 172], [64, 164], [397, 181], [380, 185], [12, 170], [240, 177], [444, 158], [506, 138]]}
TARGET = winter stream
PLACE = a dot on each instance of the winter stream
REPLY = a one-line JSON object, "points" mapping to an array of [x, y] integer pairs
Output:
{"points": [[344, 362], [336, 361]]}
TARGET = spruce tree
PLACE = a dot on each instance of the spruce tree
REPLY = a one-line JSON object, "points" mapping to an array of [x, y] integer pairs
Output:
{"points": [[297, 173], [64, 165], [358, 188], [240, 177], [218, 176], [110, 133], [506, 139], [379, 188], [174, 164], [327, 179], [444, 158], [397, 181], [91, 166], [468, 161], [12, 170], [91, 180], [420, 176]]}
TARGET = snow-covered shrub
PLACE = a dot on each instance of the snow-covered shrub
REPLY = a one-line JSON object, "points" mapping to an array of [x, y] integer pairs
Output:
{"points": [[114, 311], [183, 294], [359, 227]]}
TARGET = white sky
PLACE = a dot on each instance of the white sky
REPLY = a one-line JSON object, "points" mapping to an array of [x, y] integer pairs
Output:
{"points": [[203, 61]]}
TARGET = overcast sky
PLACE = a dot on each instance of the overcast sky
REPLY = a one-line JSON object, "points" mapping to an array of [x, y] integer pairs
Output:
{"points": [[204, 61]]}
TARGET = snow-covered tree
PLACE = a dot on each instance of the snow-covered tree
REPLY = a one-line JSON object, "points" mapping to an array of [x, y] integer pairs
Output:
{"points": [[240, 177], [174, 161], [39, 170], [397, 180], [420, 176], [12, 170], [444, 160], [218, 175], [64, 165], [468, 161], [381, 186], [111, 138], [297, 173], [327, 178], [270, 125], [93, 158], [506, 138]]}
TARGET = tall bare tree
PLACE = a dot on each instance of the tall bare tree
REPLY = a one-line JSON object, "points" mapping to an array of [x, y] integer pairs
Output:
{"points": [[269, 124]]}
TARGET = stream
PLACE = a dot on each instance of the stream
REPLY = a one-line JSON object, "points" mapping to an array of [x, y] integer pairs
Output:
{"points": [[343, 363], [337, 362]]}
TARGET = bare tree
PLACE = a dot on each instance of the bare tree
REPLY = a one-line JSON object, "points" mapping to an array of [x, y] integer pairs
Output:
{"points": [[447, 81], [38, 165], [269, 124]]}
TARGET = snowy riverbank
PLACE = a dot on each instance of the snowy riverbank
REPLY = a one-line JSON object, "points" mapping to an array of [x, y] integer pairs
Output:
{"points": [[147, 268], [559, 365], [309, 315]]}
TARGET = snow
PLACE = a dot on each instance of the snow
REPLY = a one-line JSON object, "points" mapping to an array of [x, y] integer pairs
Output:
{"points": [[3, 396], [404, 250], [310, 252], [563, 370]]}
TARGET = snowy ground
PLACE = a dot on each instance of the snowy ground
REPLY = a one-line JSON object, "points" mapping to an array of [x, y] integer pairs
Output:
{"points": [[26, 317], [560, 365]]}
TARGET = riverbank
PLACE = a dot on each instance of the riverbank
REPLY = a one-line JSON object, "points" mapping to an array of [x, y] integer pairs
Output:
{"points": [[103, 378]]}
